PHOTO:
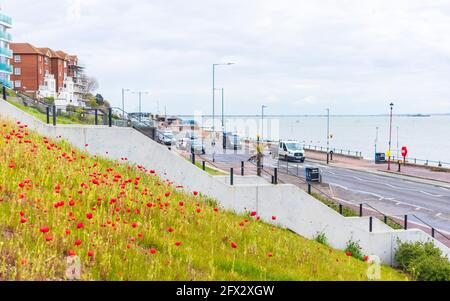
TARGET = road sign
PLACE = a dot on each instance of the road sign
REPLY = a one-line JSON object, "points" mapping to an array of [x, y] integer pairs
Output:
{"points": [[404, 152]]}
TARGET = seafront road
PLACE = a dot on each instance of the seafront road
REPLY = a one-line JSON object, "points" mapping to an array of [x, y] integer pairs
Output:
{"points": [[390, 194]]}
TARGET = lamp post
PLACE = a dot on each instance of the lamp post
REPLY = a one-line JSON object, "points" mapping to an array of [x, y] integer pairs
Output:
{"points": [[390, 136], [140, 102], [214, 105], [328, 136], [376, 140], [223, 116], [262, 122], [123, 100]]}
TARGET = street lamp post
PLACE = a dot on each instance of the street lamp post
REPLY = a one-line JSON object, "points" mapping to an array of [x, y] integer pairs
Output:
{"points": [[390, 136], [223, 115], [328, 136], [214, 105], [262, 122], [123, 100], [140, 102], [376, 140]]}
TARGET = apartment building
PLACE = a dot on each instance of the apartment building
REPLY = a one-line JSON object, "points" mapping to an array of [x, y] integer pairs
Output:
{"points": [[43, 72], [5, 51]]}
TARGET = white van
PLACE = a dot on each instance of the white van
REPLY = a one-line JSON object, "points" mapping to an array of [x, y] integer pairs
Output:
{"points": [[291, 150]]}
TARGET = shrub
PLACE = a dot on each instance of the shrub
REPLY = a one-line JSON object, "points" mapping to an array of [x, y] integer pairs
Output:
{"points": [[353, 249], [49, 100], [321, 238], [423, 261]]}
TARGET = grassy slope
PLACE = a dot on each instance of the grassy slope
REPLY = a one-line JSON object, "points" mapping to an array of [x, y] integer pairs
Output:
{"points": [[40, 116], [30, 172]]}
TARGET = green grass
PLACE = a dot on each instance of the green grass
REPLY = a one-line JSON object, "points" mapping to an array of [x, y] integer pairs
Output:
{"points": [[50, 185], [347, 212], [209, 170], [43, 117]]}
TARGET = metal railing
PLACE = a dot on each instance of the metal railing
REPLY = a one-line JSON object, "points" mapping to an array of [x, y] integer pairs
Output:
{"points": [[337, 151], [415, 161]]}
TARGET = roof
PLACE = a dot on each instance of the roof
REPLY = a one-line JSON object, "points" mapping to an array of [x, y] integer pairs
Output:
{"points": [[25, 48]]}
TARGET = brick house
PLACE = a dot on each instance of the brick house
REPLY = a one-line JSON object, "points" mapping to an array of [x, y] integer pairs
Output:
{"points": [[42, 72]]}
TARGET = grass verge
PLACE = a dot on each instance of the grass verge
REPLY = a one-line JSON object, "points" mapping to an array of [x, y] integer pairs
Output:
{"points": [[125, 222]]}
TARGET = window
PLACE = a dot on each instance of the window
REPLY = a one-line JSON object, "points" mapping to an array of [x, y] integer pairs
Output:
{"points": [[40, 71], [18, 84], [46, 60], [17, 71], [17, 59]]}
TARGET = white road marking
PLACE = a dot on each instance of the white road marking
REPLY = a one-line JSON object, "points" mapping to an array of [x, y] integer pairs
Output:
{"points": [[360, 191], [430, 194], [439, 214]]}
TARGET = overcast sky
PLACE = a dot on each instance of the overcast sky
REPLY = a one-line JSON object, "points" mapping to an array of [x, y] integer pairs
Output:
{"points": [[297, 57]]}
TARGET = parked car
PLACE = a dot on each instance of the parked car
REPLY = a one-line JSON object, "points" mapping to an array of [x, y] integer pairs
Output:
{"points": [[166, 138], [182, 143], [196, 146], [232, 141], [291, 150]]}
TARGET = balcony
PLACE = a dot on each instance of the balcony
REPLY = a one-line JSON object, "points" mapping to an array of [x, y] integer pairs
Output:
{"points": [[6, 20], [6, 83], [6, 52], [6, 68], [6, 36]]}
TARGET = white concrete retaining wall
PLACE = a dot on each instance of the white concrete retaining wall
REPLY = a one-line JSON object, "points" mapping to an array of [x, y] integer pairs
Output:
{"points": [[293, 207]]}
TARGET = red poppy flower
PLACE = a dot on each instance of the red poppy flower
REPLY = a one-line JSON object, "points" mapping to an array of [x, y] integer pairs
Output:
{"points": [[198, 210], [274, 218], [178, 244], [78, 242], [167, 194], [48, 238], [72, 203], [134, 225], [153, 251], [366, 258], [89, 216], [234, 245], [71, 253], [44, 230], [181, 204], [195, 193], [349, 254], [67, 232], [170, 230], [23, 220], [80, 226], [254, 213], [90, 254], [270, 254]]}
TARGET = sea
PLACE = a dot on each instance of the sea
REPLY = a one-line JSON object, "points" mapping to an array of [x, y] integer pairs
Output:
{"points": [[426, 137]]}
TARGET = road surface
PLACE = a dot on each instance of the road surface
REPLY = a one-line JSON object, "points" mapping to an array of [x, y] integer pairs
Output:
{"points": [[392, 196]]}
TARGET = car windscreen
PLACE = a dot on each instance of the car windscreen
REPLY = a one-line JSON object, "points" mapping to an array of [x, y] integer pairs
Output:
{"points": [[235, 139], [294, 146]]}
